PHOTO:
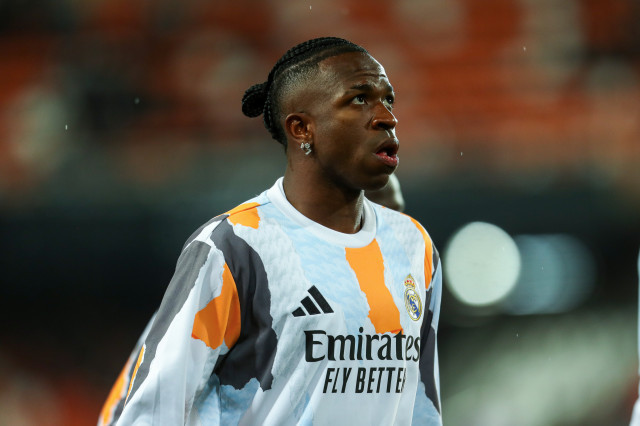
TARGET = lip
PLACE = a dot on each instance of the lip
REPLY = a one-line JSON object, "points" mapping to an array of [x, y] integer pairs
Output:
{"points": [[387, 152]]}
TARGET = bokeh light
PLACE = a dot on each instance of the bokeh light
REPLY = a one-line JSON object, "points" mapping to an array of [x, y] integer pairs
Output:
{"points": [[557, 274], [481, 264]]}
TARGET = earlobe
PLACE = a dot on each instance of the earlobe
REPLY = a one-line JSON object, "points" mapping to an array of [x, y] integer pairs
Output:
{"points": [[298, 127]]}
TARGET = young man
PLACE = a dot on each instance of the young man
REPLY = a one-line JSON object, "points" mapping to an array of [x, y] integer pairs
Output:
{"points": [[308, 304]]}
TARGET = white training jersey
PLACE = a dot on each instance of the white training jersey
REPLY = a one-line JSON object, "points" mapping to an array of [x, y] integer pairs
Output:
{"points": [[273, 319]]}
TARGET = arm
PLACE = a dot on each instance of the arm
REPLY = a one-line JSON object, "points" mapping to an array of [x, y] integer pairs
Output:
{"points": [[427, 409], [198, 321], [114, 404]]}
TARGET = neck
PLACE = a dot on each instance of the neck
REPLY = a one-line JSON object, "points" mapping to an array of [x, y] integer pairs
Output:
{"points": [[324, 202]]}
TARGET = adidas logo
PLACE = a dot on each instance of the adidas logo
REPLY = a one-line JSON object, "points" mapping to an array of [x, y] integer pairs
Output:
{"points": [[320, 306]]}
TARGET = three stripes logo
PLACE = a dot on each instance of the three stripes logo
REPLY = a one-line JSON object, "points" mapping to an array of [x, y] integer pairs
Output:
{"points": [[310, 308]]}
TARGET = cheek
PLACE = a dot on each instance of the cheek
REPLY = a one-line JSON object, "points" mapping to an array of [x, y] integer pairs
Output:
{"points": [[341, 135], [344, 137]]}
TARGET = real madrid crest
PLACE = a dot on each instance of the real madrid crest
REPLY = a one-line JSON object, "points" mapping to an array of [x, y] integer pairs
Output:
{"points": [[412, 299]]}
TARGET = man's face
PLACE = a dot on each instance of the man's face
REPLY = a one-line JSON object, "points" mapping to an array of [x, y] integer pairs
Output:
{"points": [[354, 139]]}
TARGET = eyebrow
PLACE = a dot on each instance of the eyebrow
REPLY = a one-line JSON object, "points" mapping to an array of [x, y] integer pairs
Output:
{"points": [[367, 87]]}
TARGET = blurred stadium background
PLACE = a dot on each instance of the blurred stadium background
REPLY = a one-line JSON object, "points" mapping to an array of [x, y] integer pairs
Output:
{"points": [[121, 132]]}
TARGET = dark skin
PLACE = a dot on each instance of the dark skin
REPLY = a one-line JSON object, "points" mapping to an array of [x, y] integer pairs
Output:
{"points": [[389, 195], [345, 114]]}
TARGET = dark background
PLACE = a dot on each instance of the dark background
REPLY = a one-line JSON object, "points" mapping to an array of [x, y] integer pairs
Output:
{"points": [[121, 133]]}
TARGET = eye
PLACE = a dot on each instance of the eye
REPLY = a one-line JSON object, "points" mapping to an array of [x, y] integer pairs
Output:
{"points": [[360, 100], [389, 101]]}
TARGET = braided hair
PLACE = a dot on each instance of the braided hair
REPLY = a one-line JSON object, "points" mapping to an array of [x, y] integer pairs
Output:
{"points": [[295, 65]]}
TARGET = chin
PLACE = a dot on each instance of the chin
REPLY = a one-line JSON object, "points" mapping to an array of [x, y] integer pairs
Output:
{"points": [[377, 183]]}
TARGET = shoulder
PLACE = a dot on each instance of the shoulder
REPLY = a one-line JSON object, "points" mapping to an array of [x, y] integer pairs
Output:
{"points": [[405, 227], [243, 214], [411, 234], [390, 217]]}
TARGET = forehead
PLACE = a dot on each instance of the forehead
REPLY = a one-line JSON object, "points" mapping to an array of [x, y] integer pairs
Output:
{"points": [[350, 67]]}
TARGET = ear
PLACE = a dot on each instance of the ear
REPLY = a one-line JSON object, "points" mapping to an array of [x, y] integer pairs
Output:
{"points": [[298, 127]]}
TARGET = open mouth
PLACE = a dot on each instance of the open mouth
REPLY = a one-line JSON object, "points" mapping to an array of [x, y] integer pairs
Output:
{"points": [[388, 153]]}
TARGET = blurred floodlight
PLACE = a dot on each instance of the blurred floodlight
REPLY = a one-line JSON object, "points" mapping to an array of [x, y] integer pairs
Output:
{"points": [[557, 274], [481, 264]]}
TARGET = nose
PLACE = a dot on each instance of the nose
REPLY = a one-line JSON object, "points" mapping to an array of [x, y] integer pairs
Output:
{"points": [[383, 118]]}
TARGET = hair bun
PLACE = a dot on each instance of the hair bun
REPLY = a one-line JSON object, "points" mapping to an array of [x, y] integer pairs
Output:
{"points": [[254, 99]]}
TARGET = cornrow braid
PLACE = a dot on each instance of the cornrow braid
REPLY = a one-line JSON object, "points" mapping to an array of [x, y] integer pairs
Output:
{"points": [[300, 60]]}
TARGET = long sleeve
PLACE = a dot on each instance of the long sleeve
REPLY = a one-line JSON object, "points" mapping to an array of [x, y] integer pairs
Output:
{"points": [[198, 321], [428, 396], [114, 404], [270, 321]]}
